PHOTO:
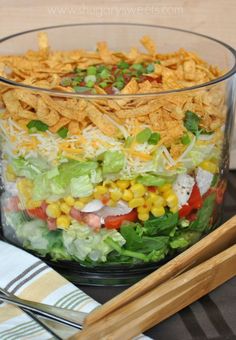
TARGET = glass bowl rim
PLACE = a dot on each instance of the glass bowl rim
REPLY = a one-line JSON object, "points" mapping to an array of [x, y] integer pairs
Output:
{"points": [[217, 80]]}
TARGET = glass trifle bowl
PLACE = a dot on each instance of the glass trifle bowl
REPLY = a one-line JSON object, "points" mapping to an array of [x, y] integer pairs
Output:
{"points": [[114, 145]]}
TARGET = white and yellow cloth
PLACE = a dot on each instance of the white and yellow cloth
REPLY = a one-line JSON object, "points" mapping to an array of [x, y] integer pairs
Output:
{"points": [[30, 278]]}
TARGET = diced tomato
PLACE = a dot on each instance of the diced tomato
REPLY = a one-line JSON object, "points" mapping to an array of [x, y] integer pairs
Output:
{"points": [[151, 79], [105, 198], [92, 220], [44, 206], [109, 90], [114, 222], [38, 213], [76, 214], [52, 225], [185, 211], [192, 217], [195, 200], [127, 78], [152, 189], [12, 204]]}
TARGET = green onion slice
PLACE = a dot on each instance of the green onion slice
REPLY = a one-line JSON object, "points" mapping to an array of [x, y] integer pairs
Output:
{"points": [[37, 124], [62, 132], [154, 138], [143, 136]]}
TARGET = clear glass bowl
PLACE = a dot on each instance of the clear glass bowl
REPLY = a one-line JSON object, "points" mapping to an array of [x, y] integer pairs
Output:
{"points": [[177, 183]]}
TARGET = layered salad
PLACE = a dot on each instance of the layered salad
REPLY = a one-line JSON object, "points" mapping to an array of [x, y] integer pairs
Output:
{"points": [[100, 166]]}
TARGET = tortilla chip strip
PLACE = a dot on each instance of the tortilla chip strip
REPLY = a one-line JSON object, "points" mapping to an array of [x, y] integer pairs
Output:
{"points": [[149, 44], [49, 117], [72, 113], [26, 97], [151, 106], [14, 107], [105, 54], [73, 127], [43, 41], [62, 122], [98, 119]]}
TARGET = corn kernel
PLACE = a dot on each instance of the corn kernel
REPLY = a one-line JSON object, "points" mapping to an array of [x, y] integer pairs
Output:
{"points": [[109, 183], [86, 199], [116, 195], [65, 208], [10, 169], [136, 202], [24, 185], [63, 222], [111, 203], [33, 204], [132, 182], [172, 200], [143, 210], [151, 198], [167, 193], [147, 205], [10, 177], [138, 190], [159, 202], [158, 211], [53, 210], [122, 184], [100, 189], [127, 195], [165, 187], [79, 205], [209, 166], [97, 196], [69, 200], [143, 216]]}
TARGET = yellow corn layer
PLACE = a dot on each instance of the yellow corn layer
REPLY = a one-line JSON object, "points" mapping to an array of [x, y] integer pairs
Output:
{"points": [[209, 166], [53, 210], [63, 222]]}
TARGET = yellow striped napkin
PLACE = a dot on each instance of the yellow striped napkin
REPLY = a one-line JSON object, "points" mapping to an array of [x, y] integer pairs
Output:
{"points": [[30, 278]]}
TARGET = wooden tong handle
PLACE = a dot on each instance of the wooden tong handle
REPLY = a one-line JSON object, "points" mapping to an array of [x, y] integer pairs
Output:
{"points": [[210, 245], [164, 300]]}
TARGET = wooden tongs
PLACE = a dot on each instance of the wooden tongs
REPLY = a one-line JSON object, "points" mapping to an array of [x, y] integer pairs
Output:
{"points": [[175, 285]]}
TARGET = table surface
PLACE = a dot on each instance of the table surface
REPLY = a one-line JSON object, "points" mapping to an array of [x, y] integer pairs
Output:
{"points": [[212, 317]]}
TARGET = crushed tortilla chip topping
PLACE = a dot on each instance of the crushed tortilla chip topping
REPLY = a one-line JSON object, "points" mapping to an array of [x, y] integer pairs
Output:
{"points": [[112, 116]]}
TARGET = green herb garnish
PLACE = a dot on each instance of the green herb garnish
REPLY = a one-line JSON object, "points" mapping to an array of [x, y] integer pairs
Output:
{"points": [[143, 136], [105, 74], [185, 139], [62, 132], [37, 124], [91, 71], [123, 64], [154, 138], [191, 122], [103, 84], [90, 83], [138, 67], [150, 68], [119, 85], [66, 81]]}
